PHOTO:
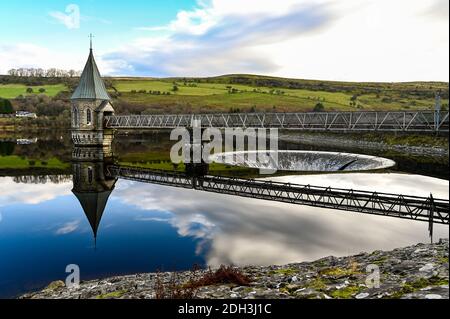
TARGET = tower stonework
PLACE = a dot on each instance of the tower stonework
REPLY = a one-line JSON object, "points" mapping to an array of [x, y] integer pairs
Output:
{"points": [[90, 104]]}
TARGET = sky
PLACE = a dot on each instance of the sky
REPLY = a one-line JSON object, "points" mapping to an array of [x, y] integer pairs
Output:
{"points": [[351, 40]]}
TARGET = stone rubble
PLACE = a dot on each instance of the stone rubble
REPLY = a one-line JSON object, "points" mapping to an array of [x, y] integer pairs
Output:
{"points": [[415, 272]]}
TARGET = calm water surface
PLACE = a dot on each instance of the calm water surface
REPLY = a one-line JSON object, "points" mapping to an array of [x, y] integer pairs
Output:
{"points": [[146, 227]]}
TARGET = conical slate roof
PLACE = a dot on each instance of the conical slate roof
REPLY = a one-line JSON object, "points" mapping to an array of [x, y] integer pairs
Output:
{"points": [[91, 85], [93, 205]]}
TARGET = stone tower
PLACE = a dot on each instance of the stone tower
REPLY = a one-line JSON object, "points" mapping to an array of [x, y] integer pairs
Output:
{"points": [[90, 104]]}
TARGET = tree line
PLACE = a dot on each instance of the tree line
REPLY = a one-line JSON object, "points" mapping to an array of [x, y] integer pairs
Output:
{"points": [[44, 73]]}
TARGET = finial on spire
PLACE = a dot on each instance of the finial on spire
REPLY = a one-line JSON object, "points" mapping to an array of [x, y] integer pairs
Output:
{"points": [[90, 37]]}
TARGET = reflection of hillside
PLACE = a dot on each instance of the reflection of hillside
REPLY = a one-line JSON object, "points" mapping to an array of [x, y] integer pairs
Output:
{"points": [[7, 148], [50, 155], [46, 149], [48, 145], [150, 141], [35, 171]]}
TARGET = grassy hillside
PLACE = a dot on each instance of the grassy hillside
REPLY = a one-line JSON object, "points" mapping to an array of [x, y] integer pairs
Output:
{"points": [[16, 162], [259, 93], [11, 91]]}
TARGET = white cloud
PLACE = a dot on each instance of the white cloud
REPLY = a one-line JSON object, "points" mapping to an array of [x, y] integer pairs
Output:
{"points": [[440, 9], [379, 40], [68, 228], [71, 17], [24, 55], [189, 22], [19, 193]]}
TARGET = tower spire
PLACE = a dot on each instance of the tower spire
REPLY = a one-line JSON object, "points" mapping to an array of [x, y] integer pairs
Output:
{"points": [[91, 85], [90, 37]]}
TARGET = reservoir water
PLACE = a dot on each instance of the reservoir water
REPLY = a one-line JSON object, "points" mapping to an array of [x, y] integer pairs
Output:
{"points": [[138, 227]]}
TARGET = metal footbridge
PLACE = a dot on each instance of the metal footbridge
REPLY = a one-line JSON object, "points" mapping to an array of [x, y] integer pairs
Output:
{"points": [[426, 121]]}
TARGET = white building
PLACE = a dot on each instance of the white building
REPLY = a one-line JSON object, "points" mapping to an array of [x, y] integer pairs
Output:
{"points": [[26, 114]]}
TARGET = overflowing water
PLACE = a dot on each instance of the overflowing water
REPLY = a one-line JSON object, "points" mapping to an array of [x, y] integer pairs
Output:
{"points": [[303, 161]]}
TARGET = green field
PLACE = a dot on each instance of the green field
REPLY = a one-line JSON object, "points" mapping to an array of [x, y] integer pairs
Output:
{"points": [[11, 91], [17, 162], [223, 94]]}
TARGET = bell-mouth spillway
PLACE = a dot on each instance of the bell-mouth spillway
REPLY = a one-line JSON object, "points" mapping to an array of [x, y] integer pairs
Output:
{"points": [[303, 161]]}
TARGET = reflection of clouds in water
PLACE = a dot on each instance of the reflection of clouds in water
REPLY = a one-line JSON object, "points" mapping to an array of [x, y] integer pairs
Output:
{"points": [[196, 226], [152, 219], [415, 185], [68, 228], [19, 193], [249, 231]]}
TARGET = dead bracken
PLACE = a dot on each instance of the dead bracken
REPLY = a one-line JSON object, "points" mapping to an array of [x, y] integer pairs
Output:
{"points": [[173, 289]]}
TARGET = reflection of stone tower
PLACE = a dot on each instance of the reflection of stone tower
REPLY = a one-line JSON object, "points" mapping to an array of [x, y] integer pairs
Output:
{"points": [[91, 185], [90, 104]]}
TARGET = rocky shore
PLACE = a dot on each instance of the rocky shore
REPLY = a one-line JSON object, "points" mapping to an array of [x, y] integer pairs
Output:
{"points": [[419, 271]]}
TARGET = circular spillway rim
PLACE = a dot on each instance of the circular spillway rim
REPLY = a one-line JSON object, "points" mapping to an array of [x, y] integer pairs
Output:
{"points": [[386, 162]]}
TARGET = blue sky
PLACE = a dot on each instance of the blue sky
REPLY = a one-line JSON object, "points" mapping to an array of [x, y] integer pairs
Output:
{"points": [[28, 20], [354, 40]]}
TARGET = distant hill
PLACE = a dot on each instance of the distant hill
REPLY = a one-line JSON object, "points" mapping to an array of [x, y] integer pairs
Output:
{"points": [[330, 86]]}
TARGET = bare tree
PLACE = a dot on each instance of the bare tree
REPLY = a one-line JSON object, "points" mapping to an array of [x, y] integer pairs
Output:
{"points": [[39, 72]]}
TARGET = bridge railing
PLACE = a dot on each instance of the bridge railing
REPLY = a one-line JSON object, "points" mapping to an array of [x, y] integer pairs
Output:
{"points": [[407, 121]]}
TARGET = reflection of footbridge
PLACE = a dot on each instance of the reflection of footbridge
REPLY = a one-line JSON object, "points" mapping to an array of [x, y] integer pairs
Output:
{"points": [[400, 206]]}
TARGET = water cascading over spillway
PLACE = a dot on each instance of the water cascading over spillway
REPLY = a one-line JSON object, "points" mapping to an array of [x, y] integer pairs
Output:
{"points": [[303, 161]]}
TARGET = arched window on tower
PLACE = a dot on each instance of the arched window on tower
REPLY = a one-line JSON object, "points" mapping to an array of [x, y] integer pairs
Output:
{"points": [[90, 175], [76, 117], [88, 116]]}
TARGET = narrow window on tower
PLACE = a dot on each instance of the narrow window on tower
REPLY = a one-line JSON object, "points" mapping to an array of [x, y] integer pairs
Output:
{"points": [[90, 175], [88, 116], [75, 116]]}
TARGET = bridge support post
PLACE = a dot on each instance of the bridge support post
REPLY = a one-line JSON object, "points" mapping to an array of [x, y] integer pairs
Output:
{"points": [[431, 218], [437, 113]]}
